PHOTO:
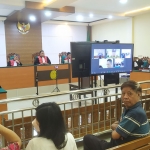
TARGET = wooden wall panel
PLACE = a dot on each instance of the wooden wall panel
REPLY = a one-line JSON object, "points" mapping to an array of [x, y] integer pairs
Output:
{"points": [[24, 45]]}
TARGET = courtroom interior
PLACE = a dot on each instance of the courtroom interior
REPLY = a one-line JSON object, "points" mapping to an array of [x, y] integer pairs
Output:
{"points": [[75, 74]]}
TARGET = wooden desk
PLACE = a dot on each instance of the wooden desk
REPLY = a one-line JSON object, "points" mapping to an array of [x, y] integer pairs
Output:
{"points": [[17, 77], [25, 76], [141, 76], [3, 107], [63, 74]]}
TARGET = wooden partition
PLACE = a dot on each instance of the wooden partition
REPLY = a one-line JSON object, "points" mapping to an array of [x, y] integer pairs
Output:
{"points": [[17, 77], [141, 76], [3, 107], [93, 119], [25, 76], [82, 120], [62, 73]]}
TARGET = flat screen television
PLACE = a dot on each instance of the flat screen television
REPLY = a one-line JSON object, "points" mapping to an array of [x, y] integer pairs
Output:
{"points": [[81, 59], [111, 58]]}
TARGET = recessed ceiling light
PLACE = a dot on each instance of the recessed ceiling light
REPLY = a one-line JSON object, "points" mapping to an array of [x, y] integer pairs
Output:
{"points": [[123, 1], [79, 18], [47, 1], [32, 18], [91, 15], [110, 17], [48, 13]]}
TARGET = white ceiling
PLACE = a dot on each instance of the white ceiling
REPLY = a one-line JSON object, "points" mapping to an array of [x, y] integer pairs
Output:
{"points": [[99, 8]]}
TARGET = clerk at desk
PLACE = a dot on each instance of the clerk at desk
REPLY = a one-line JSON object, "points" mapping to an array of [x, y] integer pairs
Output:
{"points": [[42, 59]]}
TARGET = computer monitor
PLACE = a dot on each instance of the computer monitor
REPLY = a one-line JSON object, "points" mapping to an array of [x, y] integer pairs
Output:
{"points": [[111, 58]]}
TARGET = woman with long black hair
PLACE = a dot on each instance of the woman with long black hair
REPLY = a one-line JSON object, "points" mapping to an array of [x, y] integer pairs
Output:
{"points": [[53, 134]]}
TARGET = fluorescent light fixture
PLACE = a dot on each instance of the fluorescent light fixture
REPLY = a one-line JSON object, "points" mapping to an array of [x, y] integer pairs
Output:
{"points": [[32, 18], [138, 10], [91, 15], [48, 13], [110, 17], [79, 18], [123, 1]]}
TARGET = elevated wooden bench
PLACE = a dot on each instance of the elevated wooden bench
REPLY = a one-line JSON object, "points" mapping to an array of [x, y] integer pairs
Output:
{"points": [[139, 144]]}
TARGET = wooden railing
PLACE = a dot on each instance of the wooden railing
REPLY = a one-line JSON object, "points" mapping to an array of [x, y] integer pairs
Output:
{"points": [[80, 121], [140, 144]]}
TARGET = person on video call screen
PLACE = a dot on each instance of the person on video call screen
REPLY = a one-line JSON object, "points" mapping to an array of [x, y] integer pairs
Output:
{"points": [[114, 53], [109, 63]]}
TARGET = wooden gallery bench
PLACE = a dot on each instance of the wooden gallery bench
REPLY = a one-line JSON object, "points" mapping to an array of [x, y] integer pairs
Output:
{"points": [[140, 144]]}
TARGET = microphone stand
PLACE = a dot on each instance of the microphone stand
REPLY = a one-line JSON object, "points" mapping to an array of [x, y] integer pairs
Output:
{"points": [[56, 88], [37, 87]]}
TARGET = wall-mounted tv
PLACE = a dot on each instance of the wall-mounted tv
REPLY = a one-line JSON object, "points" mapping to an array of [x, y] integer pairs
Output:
{"points": [[111, 58]]}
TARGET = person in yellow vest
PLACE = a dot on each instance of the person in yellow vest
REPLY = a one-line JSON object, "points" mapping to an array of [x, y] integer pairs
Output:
{"points": [[42, 59], [14, 62]]}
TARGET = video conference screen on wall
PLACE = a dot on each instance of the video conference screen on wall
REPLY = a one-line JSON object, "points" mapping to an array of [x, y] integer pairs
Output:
{"points": [[111, 58]]}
